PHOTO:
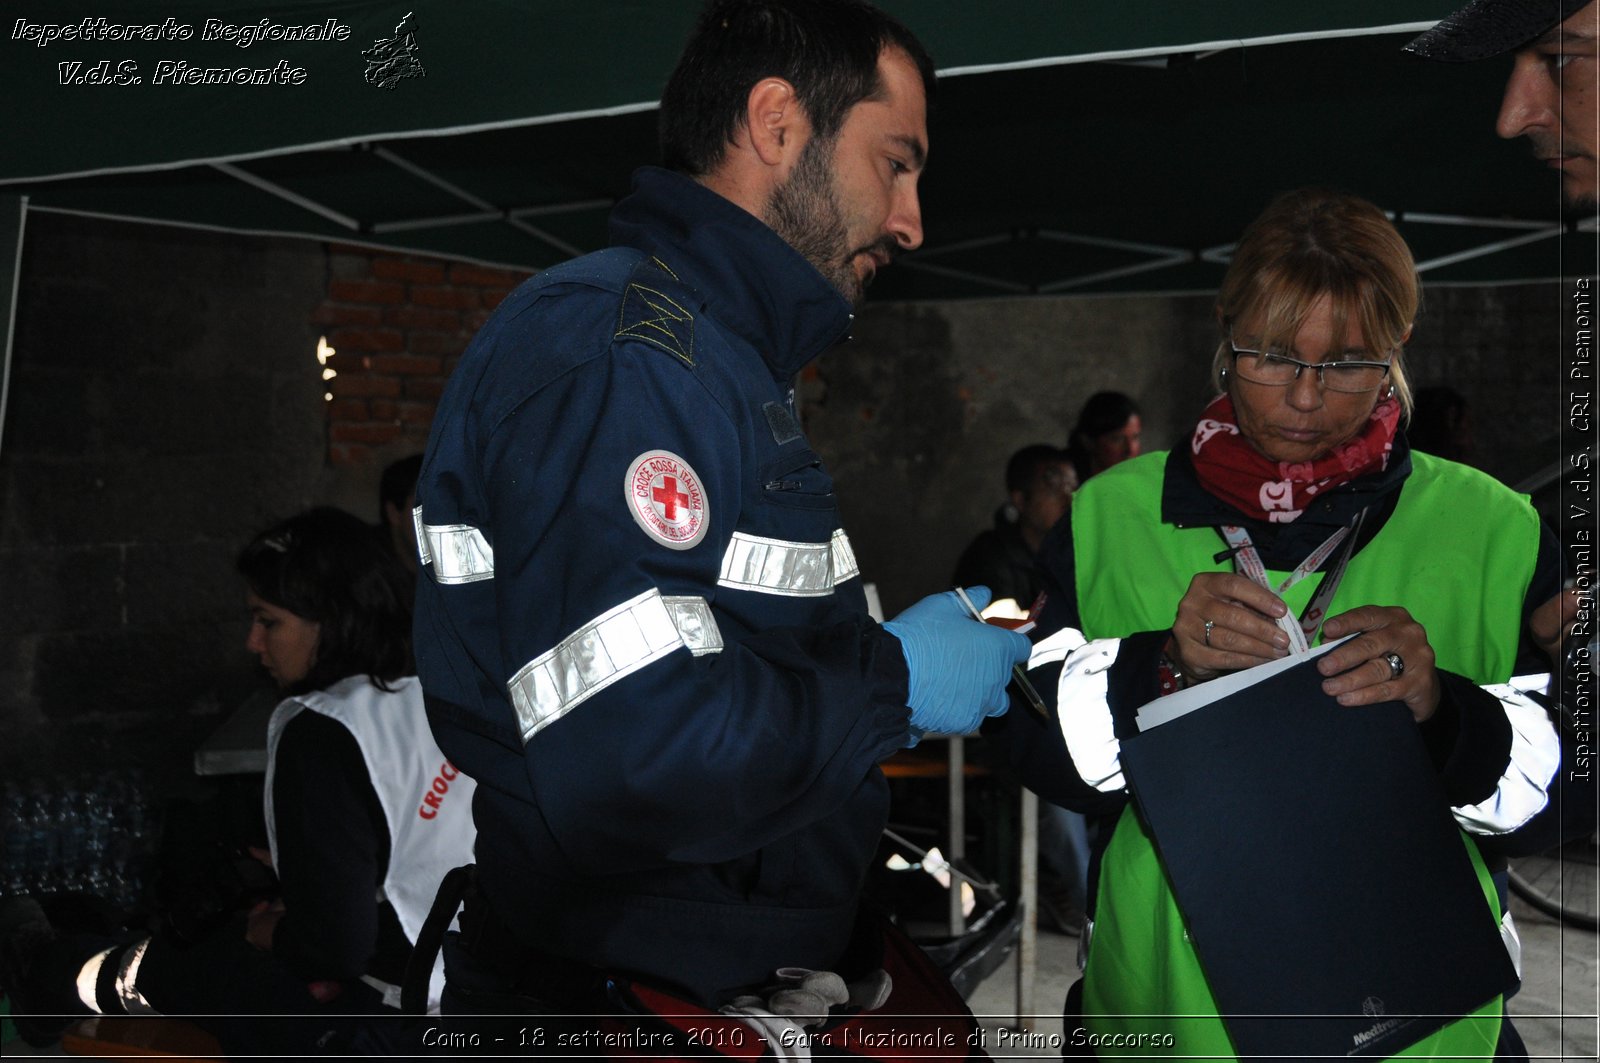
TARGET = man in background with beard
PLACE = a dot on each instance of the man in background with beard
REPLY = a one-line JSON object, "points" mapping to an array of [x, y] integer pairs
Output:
{"points": [[1551, 96], [640, 625], [1552, 99]]}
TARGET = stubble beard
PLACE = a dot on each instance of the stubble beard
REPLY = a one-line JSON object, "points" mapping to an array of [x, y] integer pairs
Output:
{"points": [[1548, 146], [804, 210]]}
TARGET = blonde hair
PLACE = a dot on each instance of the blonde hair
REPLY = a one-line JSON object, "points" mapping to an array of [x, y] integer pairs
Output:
{"points": [[1312, 243]]}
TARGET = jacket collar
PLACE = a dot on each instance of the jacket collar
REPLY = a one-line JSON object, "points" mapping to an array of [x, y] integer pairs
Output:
{"points": [[746, 276]]}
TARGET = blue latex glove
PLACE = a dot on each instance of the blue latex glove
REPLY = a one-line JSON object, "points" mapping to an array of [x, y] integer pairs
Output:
{"points": [[959, 666]]}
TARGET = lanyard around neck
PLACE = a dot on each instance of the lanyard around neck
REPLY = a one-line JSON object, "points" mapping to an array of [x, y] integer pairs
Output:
{"points": [[1247, 561]]}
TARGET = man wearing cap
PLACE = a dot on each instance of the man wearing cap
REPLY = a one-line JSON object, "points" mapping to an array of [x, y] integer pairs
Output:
{"points": [[1550, 97]]}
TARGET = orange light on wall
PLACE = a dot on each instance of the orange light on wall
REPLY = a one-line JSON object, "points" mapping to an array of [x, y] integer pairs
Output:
{"points": [[324, 352]]}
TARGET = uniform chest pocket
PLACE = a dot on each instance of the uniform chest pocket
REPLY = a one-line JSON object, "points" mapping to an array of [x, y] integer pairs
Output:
{"points": [[797, 479]]}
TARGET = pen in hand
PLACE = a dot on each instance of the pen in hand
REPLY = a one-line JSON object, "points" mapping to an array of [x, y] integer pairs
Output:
{"points": [[1035, 702]]}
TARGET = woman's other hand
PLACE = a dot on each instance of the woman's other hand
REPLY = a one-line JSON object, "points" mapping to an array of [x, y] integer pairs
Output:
{"points": [[1553, 621], [1363, 670], [1227, 622]]}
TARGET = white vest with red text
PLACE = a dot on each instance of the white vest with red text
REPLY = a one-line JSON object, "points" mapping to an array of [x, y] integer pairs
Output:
{"points": [[426, 801]]}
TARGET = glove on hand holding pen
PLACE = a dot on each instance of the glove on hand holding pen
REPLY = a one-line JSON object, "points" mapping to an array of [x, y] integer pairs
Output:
{"points": [[959, 666]]}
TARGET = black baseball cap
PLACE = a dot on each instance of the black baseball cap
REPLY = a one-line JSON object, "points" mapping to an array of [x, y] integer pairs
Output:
{"points": [[1486, 28]]}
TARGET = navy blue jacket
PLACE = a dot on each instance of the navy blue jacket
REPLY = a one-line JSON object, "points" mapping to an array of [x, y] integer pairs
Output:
{"points": [[640, 626]]}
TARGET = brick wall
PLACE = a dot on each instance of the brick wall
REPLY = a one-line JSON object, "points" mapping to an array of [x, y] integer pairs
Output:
{"points": [[398, 325]]}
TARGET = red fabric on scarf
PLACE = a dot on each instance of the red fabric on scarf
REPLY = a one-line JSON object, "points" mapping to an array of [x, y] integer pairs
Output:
{"points": [[1279, 491]]}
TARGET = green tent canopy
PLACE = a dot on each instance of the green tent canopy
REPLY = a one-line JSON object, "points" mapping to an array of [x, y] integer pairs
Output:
{"points": [[1078, 146]]}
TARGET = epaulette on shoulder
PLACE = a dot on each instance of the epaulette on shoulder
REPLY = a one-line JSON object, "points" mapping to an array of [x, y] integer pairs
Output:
{"points": [[651, 314]]}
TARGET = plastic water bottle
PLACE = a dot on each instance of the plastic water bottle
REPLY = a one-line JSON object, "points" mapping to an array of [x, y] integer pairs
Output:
{"points": [[44, 840], [72, 830], [95, 813], [14, 848]]}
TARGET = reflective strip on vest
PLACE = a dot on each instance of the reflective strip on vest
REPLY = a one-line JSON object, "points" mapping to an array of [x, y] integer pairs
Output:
{"points": [[1523, 790], [458, 552], [794, 570], [613, 645], [1084, 715]]}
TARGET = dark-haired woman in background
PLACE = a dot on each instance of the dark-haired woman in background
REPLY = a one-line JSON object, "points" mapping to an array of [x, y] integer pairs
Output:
{"points": [[1108, 432], [358, 794], [364, 817]]}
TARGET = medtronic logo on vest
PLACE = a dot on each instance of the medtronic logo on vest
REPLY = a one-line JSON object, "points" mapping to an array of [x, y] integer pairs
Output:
{"points": [[666, 500]]}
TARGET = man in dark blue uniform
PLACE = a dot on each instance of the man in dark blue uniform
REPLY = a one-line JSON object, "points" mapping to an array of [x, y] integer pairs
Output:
{"points": [[640, 626]]}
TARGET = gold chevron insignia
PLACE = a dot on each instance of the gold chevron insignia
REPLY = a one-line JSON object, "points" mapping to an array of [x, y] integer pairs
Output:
{"points": [[650, 316]]}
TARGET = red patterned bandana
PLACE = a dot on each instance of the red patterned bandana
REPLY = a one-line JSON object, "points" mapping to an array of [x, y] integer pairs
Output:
{"points": [[1279, 491]]}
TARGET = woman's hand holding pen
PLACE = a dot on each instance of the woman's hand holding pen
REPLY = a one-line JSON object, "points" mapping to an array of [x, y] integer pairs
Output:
{"points": [[1226, 622]]}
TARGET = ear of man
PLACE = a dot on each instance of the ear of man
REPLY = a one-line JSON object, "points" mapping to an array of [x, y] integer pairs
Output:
{"points": [[765, 147], [775, 122]]}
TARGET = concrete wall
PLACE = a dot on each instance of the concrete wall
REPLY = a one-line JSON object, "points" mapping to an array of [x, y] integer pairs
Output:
{"points": [[166, 404]]}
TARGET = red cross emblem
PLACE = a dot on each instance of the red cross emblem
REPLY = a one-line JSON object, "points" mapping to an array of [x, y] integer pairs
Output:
{"points": [[666, 499], [670, 497]]}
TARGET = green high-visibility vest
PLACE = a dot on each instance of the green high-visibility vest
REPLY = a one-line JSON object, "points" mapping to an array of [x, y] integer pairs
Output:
{"points": [[1458, 552]]}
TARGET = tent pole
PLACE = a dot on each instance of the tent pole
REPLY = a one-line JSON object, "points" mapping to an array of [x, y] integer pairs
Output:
{"points": [[284, 194], [13, 219], [462, 194], [966, 275], [1488, 249], [1175, 259]]}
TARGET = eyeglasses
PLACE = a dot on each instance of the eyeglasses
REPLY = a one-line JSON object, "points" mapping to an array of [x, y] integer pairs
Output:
{"points": [[1276, 369]]}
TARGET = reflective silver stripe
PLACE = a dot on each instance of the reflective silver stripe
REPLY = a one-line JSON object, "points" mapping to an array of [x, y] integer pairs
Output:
{"points": [[1085, 714], [458, 552], [613, 645], [89, 979], [796, 570], [844, 558], [133, 1001], [422, 540], [1512, 941], [1523, 790], [696, 626], [389, 991]]}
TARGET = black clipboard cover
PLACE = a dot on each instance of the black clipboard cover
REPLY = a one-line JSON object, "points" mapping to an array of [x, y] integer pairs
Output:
{"points": [[1327, 891]]}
